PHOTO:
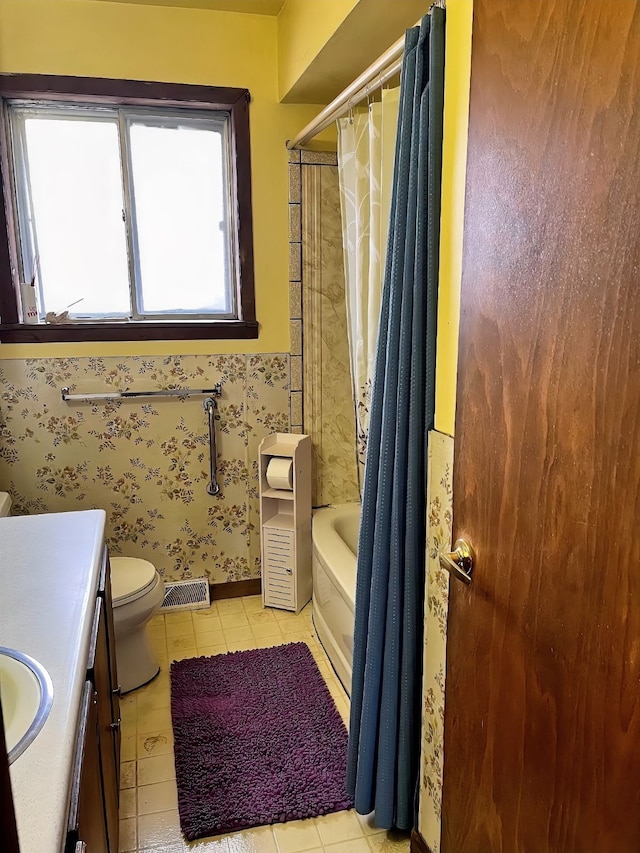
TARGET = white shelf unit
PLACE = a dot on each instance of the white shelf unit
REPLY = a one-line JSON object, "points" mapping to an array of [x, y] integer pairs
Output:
{"points": [[285, 525]]}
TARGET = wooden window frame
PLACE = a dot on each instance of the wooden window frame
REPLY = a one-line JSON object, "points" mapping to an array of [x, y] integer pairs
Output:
{"points": [[92, 90]]}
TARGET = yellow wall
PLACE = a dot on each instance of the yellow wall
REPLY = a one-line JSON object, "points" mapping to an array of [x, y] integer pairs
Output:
{"points": [[302, 33], [122, 40], [456, 123]]}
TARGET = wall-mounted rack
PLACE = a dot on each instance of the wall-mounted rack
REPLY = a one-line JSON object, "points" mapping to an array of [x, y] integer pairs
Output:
{"points": [[210, 407], [216, 391]]}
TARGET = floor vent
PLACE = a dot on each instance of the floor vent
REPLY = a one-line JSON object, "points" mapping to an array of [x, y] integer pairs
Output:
{"points": [[186, 595]]}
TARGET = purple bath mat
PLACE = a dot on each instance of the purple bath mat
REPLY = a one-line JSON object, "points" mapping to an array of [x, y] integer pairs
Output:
{"points": [[258, 740]]}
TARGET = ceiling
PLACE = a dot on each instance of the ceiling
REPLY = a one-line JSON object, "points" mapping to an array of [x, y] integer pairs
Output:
{"points": [[254, 7]]}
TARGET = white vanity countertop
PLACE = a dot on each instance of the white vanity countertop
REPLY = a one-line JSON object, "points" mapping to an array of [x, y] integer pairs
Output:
{"points": [[49, 571]]}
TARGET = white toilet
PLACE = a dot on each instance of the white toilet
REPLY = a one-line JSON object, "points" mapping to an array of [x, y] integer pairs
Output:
{"points": [[5, 504], [137, 593]]}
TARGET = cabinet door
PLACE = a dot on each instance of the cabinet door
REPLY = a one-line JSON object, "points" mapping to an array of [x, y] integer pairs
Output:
{"points": [[100, 674], [278, 560], [86, 814], [8, 831], [105, 593]]}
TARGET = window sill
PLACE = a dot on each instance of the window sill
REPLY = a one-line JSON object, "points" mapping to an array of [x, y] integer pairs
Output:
{"points": [[23, 333]]}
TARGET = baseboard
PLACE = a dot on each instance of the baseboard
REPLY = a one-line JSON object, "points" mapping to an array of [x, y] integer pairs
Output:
{"points": [[418, 844], [235, 589]]}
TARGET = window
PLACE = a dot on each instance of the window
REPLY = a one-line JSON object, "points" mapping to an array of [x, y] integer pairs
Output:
{"points": [[128, 209]]}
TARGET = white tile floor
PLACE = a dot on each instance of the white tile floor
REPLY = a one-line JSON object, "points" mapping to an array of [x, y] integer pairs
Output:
{"points": [[148, 804]]}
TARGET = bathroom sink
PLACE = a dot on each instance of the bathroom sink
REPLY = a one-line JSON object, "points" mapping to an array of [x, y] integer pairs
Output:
{"points": [[26, 692]]}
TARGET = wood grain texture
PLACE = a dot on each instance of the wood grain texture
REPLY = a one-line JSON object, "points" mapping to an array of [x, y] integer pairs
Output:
{"points": [[8, 829], [542, 720], [235, 589], [418, 844]]}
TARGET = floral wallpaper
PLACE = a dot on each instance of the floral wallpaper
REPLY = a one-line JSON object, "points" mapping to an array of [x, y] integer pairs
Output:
{"points": [[439, 529], [146, 461]]}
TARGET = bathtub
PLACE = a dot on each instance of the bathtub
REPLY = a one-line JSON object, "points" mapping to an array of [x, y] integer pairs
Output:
{"points": [[335, 544]]}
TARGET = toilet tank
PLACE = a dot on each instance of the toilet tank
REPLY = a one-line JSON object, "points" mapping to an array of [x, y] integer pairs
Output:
{"points": [[5, 504]]}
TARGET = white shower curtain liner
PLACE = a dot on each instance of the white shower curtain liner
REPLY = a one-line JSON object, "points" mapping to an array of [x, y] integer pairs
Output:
{"points": [[366, 150]]}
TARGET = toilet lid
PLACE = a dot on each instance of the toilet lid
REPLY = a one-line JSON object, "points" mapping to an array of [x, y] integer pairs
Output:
{"points": [[131, 577]]}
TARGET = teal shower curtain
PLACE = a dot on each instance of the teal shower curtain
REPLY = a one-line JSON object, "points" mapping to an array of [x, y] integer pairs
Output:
{"points": [[384, 738]]}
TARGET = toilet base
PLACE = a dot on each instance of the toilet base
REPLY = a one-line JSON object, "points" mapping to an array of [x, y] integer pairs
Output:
{"points": [[136, 660], [153, 678]]}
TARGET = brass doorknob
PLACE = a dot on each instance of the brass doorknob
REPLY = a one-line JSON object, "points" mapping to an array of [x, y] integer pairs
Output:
{"points": [[459, 562]]}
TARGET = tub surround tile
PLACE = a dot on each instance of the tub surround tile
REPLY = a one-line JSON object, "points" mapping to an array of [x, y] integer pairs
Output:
{"points": [[295, 300], [296, 373], [319, 158], [295, 262], [294, 183], [328, 404], [294, 223], [295, 327], [296, 407]]}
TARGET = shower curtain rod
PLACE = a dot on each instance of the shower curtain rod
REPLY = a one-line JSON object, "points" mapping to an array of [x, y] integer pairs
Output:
{"points": [[376, 75], [373, 78]]}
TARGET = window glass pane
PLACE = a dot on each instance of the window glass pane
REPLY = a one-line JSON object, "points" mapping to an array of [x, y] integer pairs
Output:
{"points": [[76, 196], [180, 211]]}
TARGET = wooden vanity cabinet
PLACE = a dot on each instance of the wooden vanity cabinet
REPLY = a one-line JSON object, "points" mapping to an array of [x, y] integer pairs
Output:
{"points": [[93, 814], [87, 824], [8, 829]]}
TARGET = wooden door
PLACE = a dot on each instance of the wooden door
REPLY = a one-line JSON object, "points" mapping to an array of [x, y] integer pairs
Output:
{"points": [[542, 711]]}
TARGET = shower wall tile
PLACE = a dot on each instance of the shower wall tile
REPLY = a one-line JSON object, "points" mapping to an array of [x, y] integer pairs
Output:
{"points": [[296, 407], [294, 183], [294, 223], [295, 330], [296, 373], [295, 262], [439, 534], [319, 158], [295, 300], [146, 462], [328, 402]]}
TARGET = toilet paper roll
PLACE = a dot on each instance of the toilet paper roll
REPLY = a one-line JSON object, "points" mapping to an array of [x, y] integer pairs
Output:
{"points": [[280, 473]]}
